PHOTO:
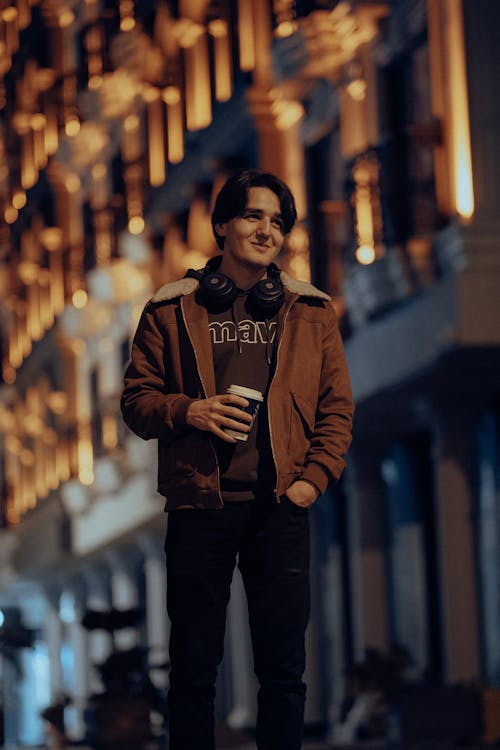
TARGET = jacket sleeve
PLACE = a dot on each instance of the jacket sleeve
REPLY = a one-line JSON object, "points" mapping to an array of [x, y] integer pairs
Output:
{"points": [[334, 414], [147, 406]]}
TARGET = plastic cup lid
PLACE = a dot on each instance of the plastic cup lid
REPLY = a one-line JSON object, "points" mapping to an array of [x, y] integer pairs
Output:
{"points": [[241, 390]]}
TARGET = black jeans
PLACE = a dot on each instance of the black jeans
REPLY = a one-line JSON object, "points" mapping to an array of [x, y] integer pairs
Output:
{"points": [[271, 541]]}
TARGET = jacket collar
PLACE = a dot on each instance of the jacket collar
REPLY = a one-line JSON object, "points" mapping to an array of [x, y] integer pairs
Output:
{"points": [[188, 285]]}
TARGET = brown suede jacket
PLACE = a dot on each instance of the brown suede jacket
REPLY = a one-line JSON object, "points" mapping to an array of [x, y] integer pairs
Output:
{"points": [[309, 402]]}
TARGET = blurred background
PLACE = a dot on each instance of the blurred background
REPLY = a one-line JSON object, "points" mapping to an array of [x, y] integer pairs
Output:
{"points": [[119, 122]]}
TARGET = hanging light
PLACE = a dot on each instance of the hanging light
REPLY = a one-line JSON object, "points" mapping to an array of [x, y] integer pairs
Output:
{"points": [[156, 138], [79, 298], [51, 131], [93, 44], [127, 20], [10, 214], [9, 17], [175, 128], [19, 199], [136, 225], [131, 139], [367, 210], [85, 453], [23, 14], [246, 35], [284, 13], [38, 123], [197, 72], [218, 29], [459, 114]]}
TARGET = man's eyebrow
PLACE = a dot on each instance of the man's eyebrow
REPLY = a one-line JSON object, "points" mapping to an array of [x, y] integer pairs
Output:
{"points": [[277, 215]]}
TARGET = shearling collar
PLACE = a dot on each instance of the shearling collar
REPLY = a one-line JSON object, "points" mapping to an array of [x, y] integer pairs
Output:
{"points": [[188, 285], [175, 289]]}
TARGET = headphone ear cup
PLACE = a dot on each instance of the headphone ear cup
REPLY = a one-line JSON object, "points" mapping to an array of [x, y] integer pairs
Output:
{"points": [[218, 289], [268, 295]]}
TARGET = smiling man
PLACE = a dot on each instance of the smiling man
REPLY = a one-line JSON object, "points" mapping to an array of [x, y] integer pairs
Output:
{"points": [[244, 499]]}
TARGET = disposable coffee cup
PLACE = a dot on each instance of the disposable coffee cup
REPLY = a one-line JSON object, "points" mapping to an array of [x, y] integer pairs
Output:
{"points": [[254, 398]]}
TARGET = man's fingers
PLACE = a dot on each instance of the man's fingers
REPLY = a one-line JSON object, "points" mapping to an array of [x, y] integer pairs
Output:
{"points": [[231, 411], [234, 424], [216, 430], [231, 398]]}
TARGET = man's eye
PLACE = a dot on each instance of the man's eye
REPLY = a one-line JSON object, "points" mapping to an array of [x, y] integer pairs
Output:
{"points": [[278, 223]]}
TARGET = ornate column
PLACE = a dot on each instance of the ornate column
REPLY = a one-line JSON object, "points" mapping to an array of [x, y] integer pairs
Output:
{"points": [[366, 529], [79, 644], [403, 471], [125, 594], [489, 541], [455, 461], [330, 589], [157, 622], [53, 635], [10, 704], [100, 643]]}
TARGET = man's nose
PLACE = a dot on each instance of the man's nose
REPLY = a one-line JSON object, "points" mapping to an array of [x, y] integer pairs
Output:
{"points": [[264, 225]]}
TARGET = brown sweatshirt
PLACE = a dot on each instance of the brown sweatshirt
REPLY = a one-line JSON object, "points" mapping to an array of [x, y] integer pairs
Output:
{"points": [[242, 346]]}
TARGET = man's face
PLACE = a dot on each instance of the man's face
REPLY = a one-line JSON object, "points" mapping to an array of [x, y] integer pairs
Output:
{"points": [[255, 238]]}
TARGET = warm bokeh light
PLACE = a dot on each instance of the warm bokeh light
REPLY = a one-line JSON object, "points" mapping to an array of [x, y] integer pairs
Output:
{"points": [[57, 401], [175, 118], [127, 24], [109, 431], [95, 82], [10, 214], [459, 115], [79, 298], [66, 18], [19, 199], [218, 29], [131, 123], [136, 225], [289, 113], [171, 95], [365, 254], [51, 237], [72, 183], [99, 171], [357, 89], [285, 29], [72, 127]]}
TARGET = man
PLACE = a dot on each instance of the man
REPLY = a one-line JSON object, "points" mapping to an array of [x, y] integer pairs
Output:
{"points": [[240, 321]]}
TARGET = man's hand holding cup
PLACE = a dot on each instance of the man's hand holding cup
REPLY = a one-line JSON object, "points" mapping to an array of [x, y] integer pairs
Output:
{"points": [[229, 416]]}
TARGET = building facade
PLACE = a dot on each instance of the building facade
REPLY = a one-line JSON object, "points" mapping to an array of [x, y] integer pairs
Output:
{"points": [[118, 124]]}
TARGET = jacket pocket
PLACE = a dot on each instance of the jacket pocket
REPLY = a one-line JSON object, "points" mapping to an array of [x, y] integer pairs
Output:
{"points": [[177, 458], [302, 420]]}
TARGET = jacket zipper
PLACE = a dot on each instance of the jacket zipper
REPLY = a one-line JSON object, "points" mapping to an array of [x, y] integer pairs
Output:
{"points": [[205, 394], [268, 400]]}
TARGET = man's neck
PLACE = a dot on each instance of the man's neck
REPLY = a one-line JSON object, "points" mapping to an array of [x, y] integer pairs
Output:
{"points": [[244, 277]]}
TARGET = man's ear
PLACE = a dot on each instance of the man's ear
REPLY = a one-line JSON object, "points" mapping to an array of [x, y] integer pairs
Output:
{"points": [[221, 229]]}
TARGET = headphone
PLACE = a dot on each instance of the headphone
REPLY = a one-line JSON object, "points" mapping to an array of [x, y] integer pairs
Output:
{"points": [[219, 291]]}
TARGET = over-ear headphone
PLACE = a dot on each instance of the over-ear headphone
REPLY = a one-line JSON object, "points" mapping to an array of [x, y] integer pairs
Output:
{"points": [[219, 291]]}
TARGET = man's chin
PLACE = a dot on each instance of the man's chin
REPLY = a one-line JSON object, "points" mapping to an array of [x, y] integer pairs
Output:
{"points": [[258, 263]]}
